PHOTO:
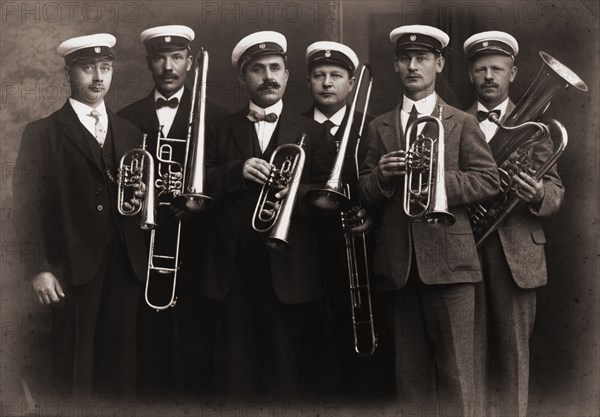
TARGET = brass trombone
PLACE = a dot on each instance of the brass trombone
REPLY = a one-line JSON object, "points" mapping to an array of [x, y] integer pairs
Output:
{"points": [[192, 196], [425, 197], [515, 139], [338, 196], [274, 214]]}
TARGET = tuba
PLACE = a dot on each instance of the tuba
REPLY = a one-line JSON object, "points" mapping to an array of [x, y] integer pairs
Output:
{"points": [[515, 139], [338, 196], [425, 196], [274, 214], [136, 169]]}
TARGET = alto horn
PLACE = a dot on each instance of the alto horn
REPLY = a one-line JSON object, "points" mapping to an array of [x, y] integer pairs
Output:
{"points": [[136, 171], [192, 196], [517, 137], [274, 214], [425, 197]]}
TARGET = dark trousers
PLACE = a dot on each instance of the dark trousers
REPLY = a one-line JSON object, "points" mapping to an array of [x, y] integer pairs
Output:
{"points": [[433, 328], [271, 349], [510, 314], [95, 343]]}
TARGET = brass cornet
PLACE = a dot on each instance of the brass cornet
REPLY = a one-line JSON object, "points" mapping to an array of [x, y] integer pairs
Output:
{"points": [[136, 171], [515, 139], [273, 214], [425, 196], [338, 196]]}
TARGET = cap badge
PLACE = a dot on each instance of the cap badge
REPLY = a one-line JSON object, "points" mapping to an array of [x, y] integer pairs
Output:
{"points": [[485, 44], [167, 39], [97, 49], [413, 38], [327, 54], [262, 46]]}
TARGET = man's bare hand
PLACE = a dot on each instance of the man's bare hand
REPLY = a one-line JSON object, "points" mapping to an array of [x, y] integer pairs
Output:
{"points": [[46, 288], [392, 165], [363, 221], [257, 170], [528, 188]]}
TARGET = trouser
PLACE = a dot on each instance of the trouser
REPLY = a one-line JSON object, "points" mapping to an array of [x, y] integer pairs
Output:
{"points": [[433, 329], [510, 314]]}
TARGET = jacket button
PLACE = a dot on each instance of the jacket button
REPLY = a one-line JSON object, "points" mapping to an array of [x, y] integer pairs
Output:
{"points": [[100, 207], [97, 190]]}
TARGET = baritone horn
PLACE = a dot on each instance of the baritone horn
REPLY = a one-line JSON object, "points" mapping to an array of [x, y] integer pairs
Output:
{"points": [[337, 195], [516, 138], [425, 197], [136, 171], [273, 214]]}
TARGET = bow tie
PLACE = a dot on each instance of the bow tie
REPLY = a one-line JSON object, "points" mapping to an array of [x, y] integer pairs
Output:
{"points": [[257, 117], [172, 103], [483, 115]]}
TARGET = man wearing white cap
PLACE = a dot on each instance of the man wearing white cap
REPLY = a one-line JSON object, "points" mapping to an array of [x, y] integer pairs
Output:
{"points": [[429, 270], [92, 260], [184, 331], [272, 300], [514, 263], [331, 69]]}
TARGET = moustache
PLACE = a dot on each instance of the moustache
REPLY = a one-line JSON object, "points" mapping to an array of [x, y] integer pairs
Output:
{"points": [[487, 85], [268, 85], [169, 76]]}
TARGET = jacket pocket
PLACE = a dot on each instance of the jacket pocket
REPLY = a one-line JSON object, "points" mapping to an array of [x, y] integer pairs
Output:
{"points": [[461, 254]]}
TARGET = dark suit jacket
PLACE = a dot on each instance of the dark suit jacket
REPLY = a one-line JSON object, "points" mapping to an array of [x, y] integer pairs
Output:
{"points": [[521, 234], [142, 113], [294, 270], [444, 255], [63, 206]]}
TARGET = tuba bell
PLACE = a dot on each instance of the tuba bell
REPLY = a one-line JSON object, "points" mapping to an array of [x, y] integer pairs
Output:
{"points": [[425, 197], [515, 139], [273, 214]]}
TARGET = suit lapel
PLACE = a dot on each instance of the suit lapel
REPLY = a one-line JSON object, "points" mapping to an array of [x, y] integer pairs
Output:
{"points": [[241, 132], [74, 131], [390, 131], [121, 142], [288, 130], [182, 116], [509, 109]]}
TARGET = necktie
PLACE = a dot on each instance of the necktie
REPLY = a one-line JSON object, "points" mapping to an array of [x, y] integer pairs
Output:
{"points": [[100, 131], [483, 115], [328, 125], [257, 117], [172, 103], [414, 114]]}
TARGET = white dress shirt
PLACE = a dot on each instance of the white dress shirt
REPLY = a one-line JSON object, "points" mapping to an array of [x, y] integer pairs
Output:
{"points": [[336, 119], [425, 107], [166, 114], [83, 113], [264, 129], [489, 128]]}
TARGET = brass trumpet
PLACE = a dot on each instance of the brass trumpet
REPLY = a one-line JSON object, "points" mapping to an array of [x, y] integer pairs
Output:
{"points": [[425, 197], [273, 214], [515, 139], [338, 196], [136, 170]]}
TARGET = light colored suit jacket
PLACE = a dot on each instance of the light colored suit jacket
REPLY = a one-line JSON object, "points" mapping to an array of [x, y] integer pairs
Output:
{"points": [[521, 234], [444, 255]]}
